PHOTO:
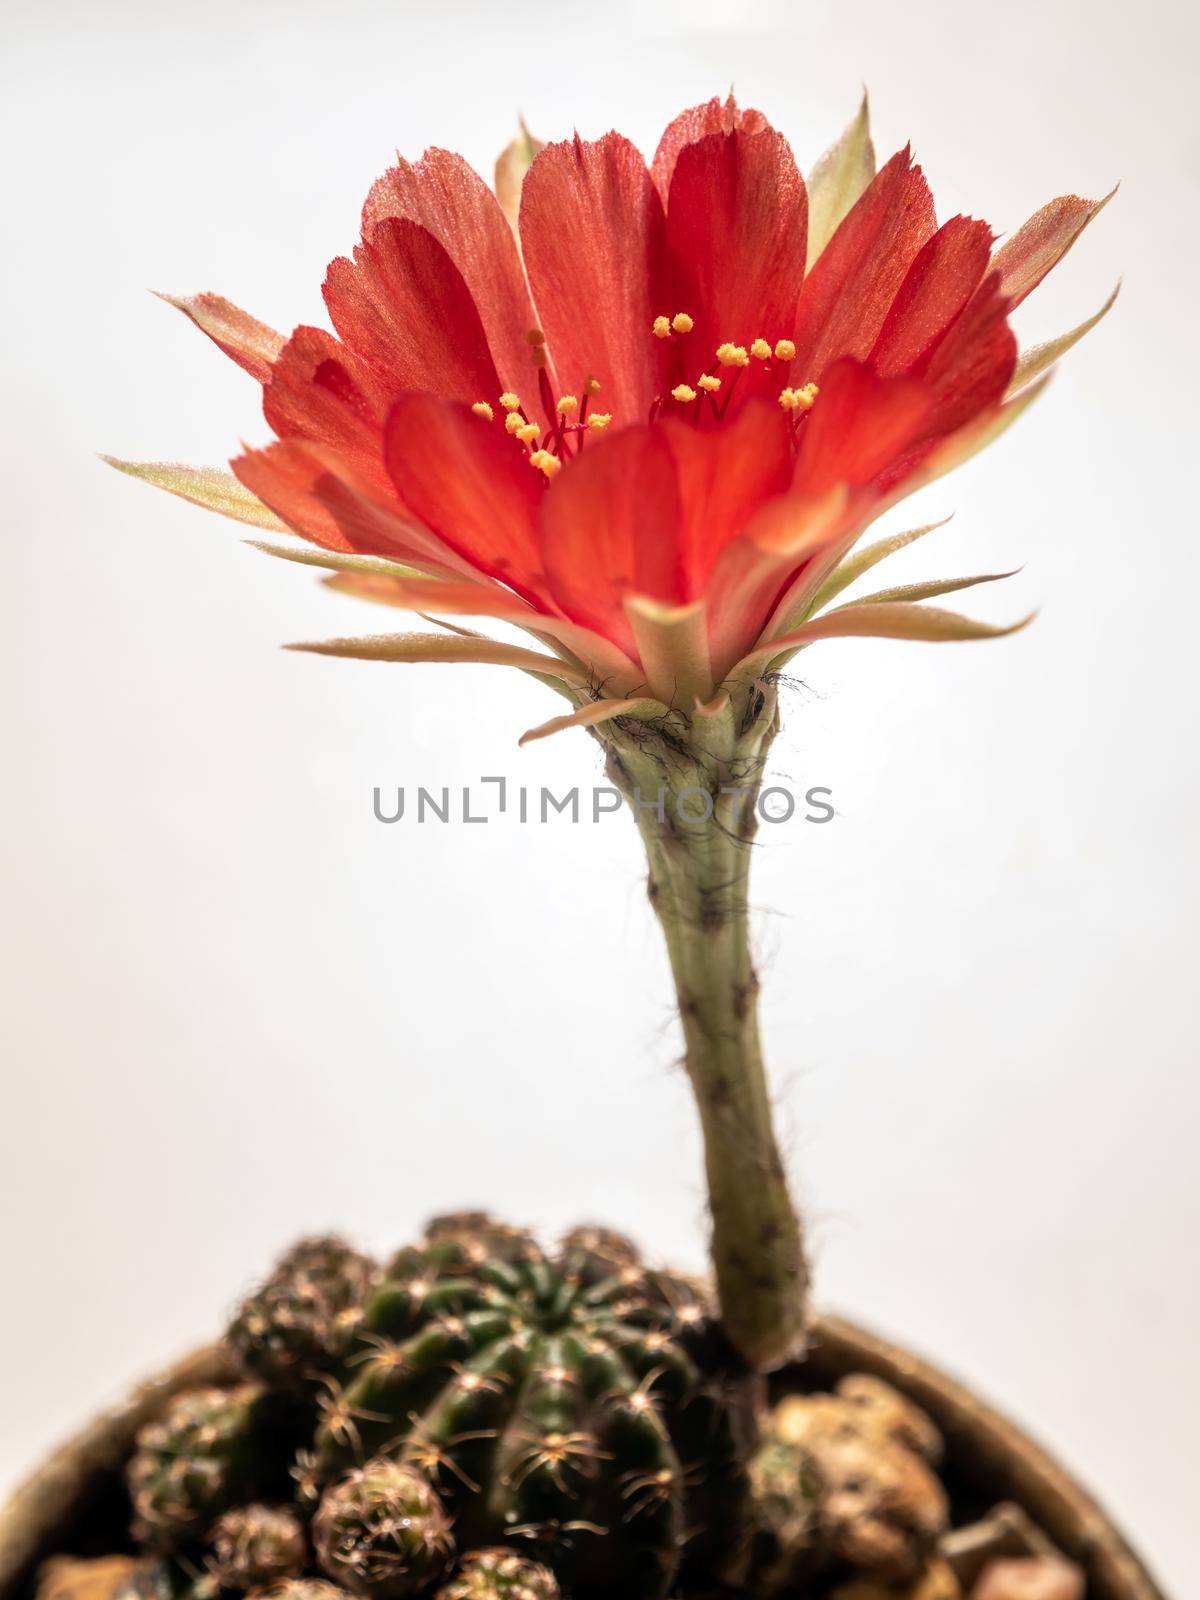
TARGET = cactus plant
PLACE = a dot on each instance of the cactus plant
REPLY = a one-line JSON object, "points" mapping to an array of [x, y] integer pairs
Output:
{"points": [[256, 1545], [574, 1420], [486, 1419], [570, 1417], [207, 1452], [289, 1329], [578, 1402], [382, 1531], [500, 1575], [846, 1481]]}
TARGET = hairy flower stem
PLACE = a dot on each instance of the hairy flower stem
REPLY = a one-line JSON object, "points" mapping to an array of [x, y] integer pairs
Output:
{"points": [[694, 793]]}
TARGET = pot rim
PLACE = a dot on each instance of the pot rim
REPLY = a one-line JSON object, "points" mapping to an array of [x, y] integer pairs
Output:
{"points": [[39, 1510]]}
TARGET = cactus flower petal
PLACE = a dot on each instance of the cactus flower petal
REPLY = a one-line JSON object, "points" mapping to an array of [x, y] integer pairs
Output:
{"points": [[650, 430], [242, 337], [838, 179], [1041, 357], [513, 162], [209, 487]]}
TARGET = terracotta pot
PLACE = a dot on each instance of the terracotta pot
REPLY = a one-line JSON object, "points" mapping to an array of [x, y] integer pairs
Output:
{"points": [[987, 1460]]}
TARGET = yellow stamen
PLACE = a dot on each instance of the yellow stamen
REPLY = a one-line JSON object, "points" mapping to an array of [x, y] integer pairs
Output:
{"points": [[708, 383], [662, 327], [510, 401], [798, 399], [760, 350], [535, 336], [592, 386], [527, 433], [785, 350], [545, 462], [513, 423], [682, 323], [683, 393], [599, 420], [482, 409], [733, 355], [568, 404]]}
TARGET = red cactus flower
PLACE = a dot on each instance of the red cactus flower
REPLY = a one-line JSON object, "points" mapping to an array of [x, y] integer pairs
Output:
{"points": [[647, 414]]}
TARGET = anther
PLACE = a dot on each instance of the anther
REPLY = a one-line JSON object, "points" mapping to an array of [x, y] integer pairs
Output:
{"points": [[599, 420], [682, 323], [568, 405], [510, 401], [482, 409], [785, 350], [545, 462], [708, 383], [683, 393], [527, 432], [513, 423], [592, 386], [732, 355], [760, 350], [798, 399], [662, 327]]}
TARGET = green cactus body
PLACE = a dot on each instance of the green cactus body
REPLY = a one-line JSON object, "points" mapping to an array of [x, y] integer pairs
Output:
{"points": [[577, 1406], [204, 1455]]}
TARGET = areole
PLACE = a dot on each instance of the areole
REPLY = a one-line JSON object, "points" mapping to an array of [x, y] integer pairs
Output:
{"points": [[985, 1450]]}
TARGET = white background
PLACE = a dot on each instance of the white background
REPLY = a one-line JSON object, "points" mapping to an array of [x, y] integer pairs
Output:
{"points": [[236, 1007]]}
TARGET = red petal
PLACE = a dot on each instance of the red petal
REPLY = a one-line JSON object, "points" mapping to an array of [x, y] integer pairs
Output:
{"points": [[1025, 259], [403, 306], [784, 540], [611, 527], [859, 426], [737, 231], [724, 475], [593, 236], [973, 365], [944, 275], [443, 194], [320, 390], [847, 295], [312, 494], [471, 483], [243, 338], [715, 116]]}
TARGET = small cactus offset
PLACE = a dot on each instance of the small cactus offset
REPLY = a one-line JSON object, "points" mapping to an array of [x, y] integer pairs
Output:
{"points": [[500, 1575], [307, 1589], [289, 1330], [846, 1482], [206, 1454], [382, 1531], [254, 1546]]}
